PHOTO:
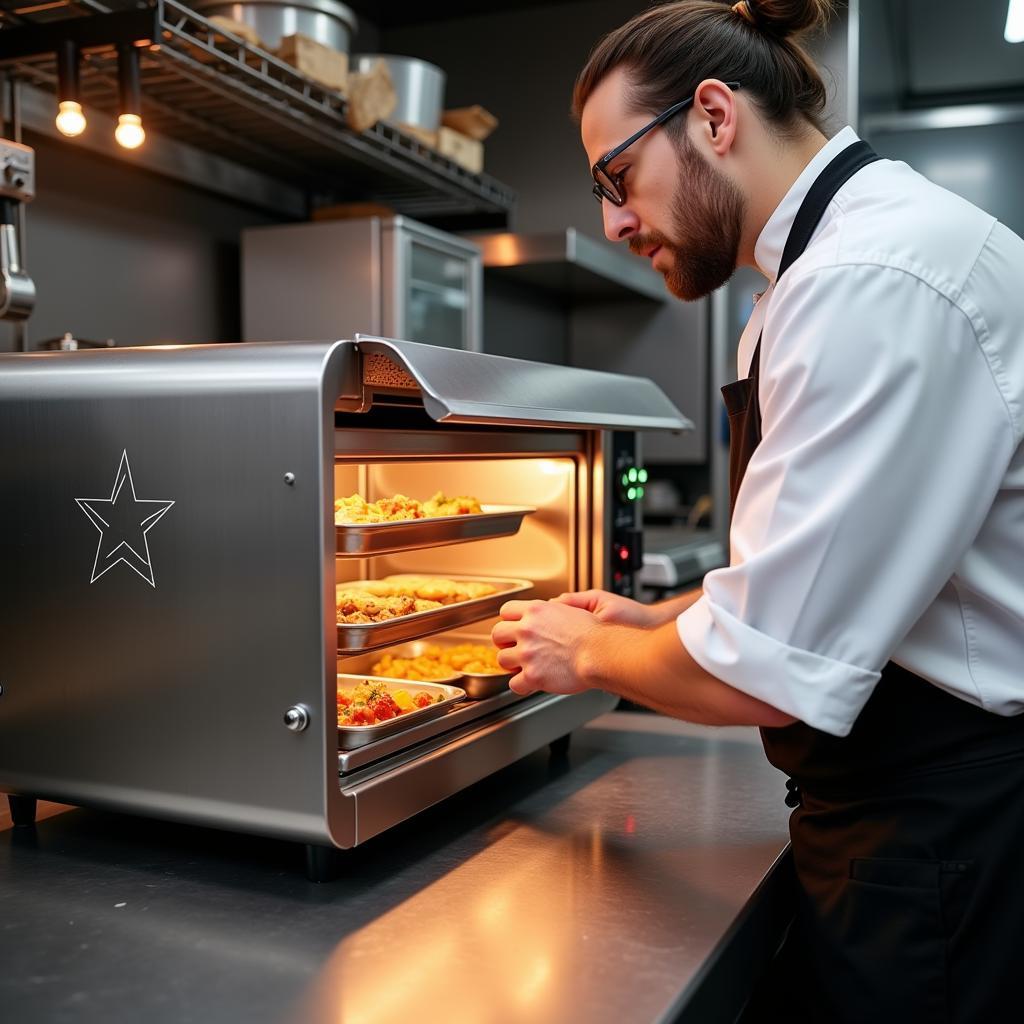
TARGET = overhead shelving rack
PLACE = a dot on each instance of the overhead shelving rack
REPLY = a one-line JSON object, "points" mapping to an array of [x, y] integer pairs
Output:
{"points": [[211, 89]]}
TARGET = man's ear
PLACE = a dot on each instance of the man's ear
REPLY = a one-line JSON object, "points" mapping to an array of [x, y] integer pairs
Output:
{"points": [[715, 111]]}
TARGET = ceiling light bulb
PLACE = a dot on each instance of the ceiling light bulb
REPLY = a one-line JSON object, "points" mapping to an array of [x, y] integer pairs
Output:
{"points": [[129, 131], [1015, 22], [70, 119]]}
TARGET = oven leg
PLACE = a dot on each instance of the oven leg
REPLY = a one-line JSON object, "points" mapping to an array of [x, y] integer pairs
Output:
{"points": [[323, 863], [23, 810], [560, 748]]}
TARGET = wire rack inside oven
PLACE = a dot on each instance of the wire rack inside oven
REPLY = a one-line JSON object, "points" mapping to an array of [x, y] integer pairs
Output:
{"points": [[213, 90]]}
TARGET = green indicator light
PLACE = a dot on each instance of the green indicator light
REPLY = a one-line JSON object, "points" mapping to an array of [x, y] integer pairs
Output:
{"points": [[639, 492], [625, 479], [642, 476], [632, 475], [631, 494]]}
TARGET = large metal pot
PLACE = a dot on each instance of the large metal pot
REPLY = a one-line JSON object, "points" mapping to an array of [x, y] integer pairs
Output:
{"points": [[326, 21], [419, 85]]}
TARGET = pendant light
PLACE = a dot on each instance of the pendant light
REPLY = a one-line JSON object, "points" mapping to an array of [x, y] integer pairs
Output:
{"points": [[70, 119], [129, 131]]}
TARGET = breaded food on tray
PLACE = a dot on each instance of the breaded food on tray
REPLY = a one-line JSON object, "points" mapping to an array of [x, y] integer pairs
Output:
{"points": [[355, 509], [361, 606], [429, 588]]}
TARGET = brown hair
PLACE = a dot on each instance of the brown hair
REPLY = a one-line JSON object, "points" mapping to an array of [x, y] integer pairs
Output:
{"points": [[670, 49]]}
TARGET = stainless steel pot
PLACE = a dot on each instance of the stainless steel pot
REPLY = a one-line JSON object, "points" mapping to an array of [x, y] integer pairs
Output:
{"points": [[326, 21], [419, 85]]}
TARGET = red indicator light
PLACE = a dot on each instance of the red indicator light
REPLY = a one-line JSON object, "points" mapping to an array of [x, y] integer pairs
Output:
{"points": [[630, 825], [624, 553]]}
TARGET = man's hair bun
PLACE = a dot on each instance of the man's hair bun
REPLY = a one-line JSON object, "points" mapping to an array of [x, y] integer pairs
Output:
{"points": [[784, 18]]}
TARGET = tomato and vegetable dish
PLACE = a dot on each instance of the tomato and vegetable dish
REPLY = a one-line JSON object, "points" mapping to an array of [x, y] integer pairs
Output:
{"points": [[373, 702]]}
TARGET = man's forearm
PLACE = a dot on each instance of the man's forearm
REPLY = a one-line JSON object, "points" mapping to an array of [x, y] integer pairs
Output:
{"points": [[668, 610], [653, 668]]}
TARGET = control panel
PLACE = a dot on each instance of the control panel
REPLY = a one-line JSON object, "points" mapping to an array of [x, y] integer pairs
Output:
{"points": [[627, 490]]}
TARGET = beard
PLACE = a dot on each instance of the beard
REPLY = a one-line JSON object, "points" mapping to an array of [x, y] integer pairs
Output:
{"points": [[707, 212]]}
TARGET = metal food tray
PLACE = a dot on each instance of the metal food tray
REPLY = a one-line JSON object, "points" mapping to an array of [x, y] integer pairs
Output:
{"points": [[356, 540], [357, 637], [352, 736], [478, 686]]}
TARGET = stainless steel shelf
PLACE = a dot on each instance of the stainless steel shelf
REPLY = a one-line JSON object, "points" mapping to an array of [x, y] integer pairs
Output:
{"points": [[571, 265], [232, 99]]}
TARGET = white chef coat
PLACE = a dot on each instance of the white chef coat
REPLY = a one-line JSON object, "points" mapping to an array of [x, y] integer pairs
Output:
{"points": [[882, 515]]}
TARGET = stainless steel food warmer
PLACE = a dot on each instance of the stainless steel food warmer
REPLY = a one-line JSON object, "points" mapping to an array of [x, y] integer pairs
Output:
{"points": [[168, 643]]}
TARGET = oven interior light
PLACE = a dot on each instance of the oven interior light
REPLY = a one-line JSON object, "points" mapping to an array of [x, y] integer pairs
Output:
{"points": [[70, 119], [1015, 22]]}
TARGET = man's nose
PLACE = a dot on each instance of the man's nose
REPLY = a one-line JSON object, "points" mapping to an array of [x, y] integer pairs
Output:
{"points": [[620, 222]]}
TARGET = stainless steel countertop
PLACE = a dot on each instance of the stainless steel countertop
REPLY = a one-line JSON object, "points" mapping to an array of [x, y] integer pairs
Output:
{"points": [[616, 890]]}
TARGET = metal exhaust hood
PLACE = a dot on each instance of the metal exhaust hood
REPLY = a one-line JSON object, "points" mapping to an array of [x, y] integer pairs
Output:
{"points": [[569, 264]]}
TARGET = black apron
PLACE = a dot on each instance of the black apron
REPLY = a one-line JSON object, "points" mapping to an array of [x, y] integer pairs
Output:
{"points": [[908, 834]]}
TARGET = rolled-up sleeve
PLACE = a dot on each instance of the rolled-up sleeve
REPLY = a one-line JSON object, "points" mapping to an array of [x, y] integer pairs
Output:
{"points": [[885, 439]]}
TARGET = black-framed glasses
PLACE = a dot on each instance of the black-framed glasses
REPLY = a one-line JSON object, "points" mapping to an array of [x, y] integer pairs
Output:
{"points": [[610, 186]]}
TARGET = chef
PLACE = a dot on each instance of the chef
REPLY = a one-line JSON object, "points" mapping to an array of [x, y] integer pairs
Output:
{"points": [[871, 620]]}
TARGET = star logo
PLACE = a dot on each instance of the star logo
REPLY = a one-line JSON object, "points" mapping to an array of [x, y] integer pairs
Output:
{"points": [[123, 521]]}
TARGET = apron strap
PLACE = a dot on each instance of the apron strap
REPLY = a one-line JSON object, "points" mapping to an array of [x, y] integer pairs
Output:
{"points": [[841, 168], [838, 172]]}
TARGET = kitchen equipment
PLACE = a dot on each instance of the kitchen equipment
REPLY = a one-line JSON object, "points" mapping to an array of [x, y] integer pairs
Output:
{"points": [[17, 186], [326, 21], [419, 85], [169, 645], [383, 275]]}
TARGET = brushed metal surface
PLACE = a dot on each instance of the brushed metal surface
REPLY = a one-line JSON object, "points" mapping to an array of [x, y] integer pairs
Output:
{"points": [[418, 84], [570, 264], [607, 893], [450, 763], [472, 387], [144, 683], [344, 276]]}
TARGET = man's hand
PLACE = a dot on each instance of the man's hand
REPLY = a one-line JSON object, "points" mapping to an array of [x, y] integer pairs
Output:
{"points": [[542, 641], [561, 648], [614, 608]]}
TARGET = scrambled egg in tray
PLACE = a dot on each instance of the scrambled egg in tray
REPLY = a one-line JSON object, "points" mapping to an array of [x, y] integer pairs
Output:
{"points": [[437, 662]]}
